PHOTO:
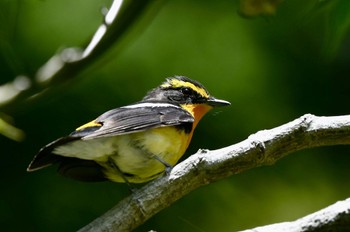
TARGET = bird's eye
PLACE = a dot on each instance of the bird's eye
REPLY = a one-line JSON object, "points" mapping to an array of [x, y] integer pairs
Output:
{"points": [[186, 90]]}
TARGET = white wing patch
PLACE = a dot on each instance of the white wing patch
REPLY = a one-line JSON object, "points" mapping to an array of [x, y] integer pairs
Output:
{"points": [[147, 104]]}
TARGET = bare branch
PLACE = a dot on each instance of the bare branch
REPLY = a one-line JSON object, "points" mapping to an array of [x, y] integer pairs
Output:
{"points": [[70, 62], [263, 148], [333, 218]]}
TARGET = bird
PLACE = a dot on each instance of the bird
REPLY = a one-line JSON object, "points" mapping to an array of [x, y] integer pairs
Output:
{"points": [[135, 143]]}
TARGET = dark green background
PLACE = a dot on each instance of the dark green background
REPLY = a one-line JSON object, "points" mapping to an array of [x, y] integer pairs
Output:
{"points": [[272, 69]]}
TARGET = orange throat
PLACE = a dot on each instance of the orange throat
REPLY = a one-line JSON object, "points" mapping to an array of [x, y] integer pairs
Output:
{"points": [[197, 111]]}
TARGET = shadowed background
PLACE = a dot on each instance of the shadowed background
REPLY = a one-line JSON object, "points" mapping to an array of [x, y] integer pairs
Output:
{"points": [[272, 69]]}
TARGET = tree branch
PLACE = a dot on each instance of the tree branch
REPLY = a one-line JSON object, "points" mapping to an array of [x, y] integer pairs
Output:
{"points": [[70, 62], [335, 217], [263, 148]]}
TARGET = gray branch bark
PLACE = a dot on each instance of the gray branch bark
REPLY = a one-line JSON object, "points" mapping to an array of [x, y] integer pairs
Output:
{"points": [[263, 148], [335, 217]]}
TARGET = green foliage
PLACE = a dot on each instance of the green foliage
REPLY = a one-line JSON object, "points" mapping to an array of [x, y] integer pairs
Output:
{"points": [[338, 27], [11, 132], [272, 69]]}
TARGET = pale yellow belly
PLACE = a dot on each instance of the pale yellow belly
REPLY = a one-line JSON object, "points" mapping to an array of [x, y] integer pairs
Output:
{"points": [[133, 154], [136, 154]]}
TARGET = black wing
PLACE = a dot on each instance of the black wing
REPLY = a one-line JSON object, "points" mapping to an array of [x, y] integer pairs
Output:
{"points": [[135, 118], [130, 119]]}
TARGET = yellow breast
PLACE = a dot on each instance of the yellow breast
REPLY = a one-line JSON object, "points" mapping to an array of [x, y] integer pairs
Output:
{"points": [[135, 153]]}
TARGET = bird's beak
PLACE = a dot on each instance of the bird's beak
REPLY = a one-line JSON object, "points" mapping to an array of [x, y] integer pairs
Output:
{"points": [[212, 101]]}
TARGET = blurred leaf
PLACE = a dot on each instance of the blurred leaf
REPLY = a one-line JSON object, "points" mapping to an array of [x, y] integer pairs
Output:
{"points": [[10, 131], [251, 8], [338, 26]]}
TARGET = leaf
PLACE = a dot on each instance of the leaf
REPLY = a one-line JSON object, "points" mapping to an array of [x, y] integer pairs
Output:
{"points": [[338, 26], [251, 8], [10, 131]]}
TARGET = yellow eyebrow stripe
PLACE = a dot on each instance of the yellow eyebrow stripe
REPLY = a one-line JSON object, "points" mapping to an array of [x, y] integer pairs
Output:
{"points": [[89, 124], [175, 83]]}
